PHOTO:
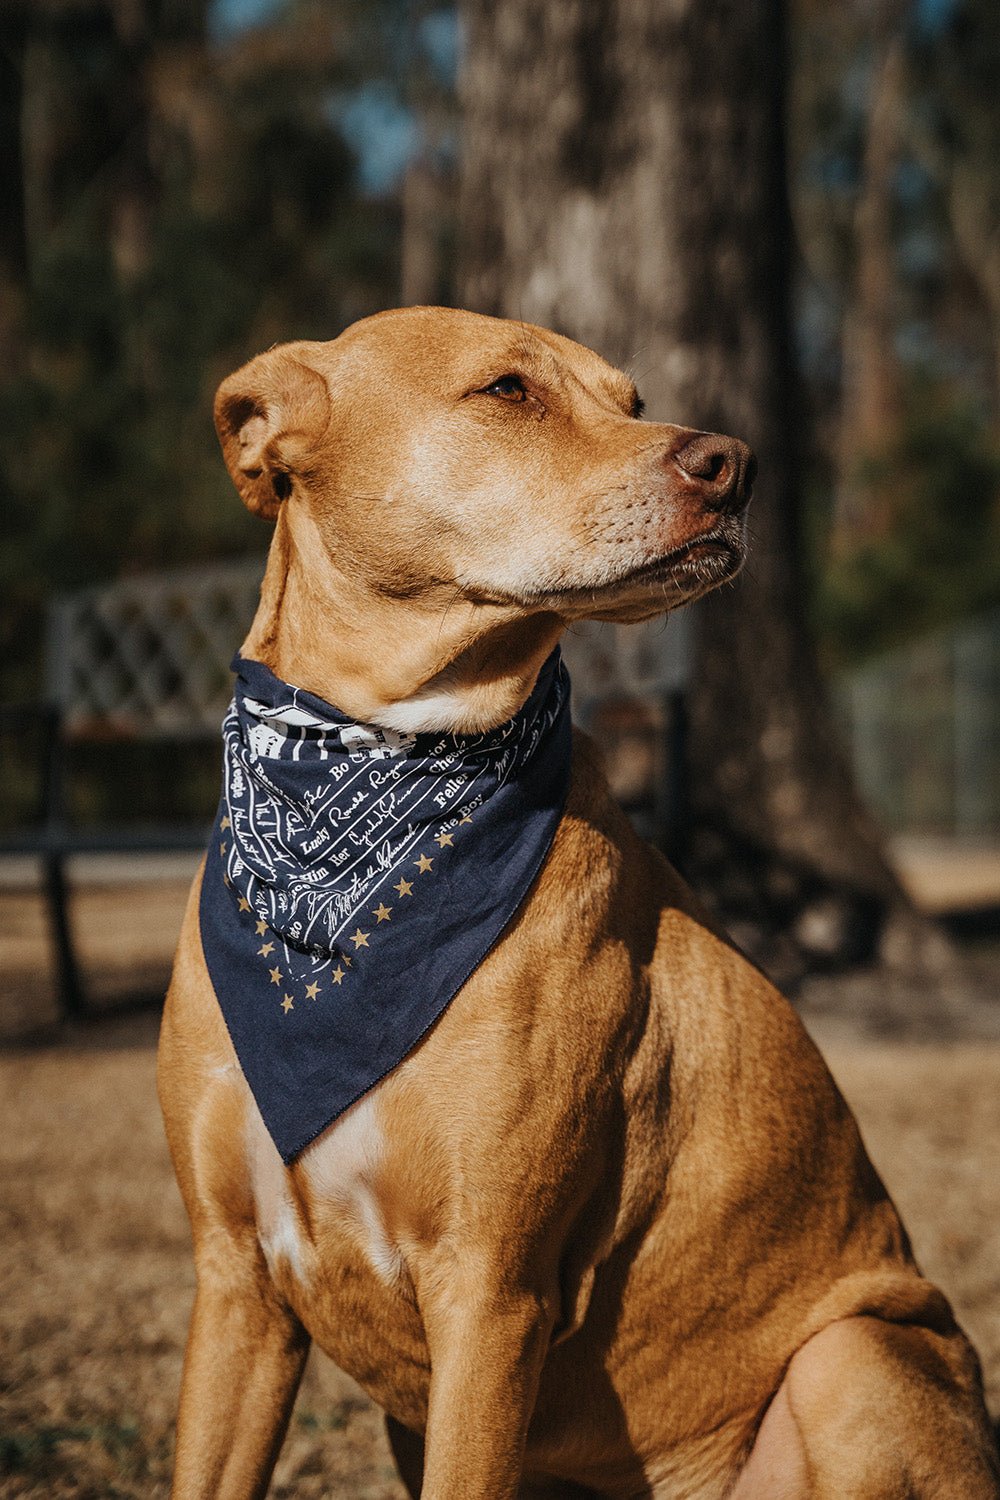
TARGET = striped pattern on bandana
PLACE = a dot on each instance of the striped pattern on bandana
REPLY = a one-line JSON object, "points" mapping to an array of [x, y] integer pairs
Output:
{"points": [[356, 877]]}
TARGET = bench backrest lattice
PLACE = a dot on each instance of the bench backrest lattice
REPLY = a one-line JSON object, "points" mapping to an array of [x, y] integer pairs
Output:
{"points": [[148, 658], [143, 661]]}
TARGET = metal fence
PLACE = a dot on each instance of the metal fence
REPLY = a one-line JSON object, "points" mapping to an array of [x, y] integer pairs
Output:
{"points": [[924, 726]]}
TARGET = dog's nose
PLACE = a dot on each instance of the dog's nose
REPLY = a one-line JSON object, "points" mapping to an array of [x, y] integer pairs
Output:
{"points": [[723, 468]]}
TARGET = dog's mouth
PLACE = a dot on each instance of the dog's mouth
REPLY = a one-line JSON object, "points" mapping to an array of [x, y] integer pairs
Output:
{"points": [[703, 562], [679, 577]]}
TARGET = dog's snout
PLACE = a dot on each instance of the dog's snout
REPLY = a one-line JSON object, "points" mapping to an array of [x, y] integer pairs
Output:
{"points": [[722, 468]]}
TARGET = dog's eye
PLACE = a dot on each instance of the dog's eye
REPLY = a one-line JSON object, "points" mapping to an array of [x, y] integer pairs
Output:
{"points": [[510, 387]]}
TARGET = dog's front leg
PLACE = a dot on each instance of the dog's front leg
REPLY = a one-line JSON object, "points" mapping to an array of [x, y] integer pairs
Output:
{"points": [[487, 1347], [244, 1359]]}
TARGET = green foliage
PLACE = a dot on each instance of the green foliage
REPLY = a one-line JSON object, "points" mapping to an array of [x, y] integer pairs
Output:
{"points": [[256, 229], [253, 229], [941, 559]]}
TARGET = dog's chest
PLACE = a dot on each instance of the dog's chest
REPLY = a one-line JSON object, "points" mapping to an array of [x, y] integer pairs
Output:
{"points": [[324, 1237], [334, 1187], [342, 1171]]}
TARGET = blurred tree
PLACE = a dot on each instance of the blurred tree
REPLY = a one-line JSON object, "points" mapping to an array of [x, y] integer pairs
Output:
{"points": [[182, 188], [896, 166], [13, 251], [178, 201], [941, 558], [624, 181], [958, 135], [871, 383]]}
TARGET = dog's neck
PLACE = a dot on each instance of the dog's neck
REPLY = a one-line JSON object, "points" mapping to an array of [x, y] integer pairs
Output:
{"points": [[434, 665]]}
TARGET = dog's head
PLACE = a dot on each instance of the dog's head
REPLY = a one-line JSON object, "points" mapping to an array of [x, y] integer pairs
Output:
{"points": [[485, 467]]}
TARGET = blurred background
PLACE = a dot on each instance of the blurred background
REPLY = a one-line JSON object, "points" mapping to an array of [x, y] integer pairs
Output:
{"points": [[787, 228], [784, 221]]}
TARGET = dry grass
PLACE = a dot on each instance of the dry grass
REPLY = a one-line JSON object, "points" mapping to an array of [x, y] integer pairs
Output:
{"points": [[95, 1267], [96, 1278], [125, 937], [930, 1115], [95, 1289]]}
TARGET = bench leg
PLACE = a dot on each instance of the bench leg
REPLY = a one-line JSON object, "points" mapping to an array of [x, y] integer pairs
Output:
{"points": [[72, 1002]]}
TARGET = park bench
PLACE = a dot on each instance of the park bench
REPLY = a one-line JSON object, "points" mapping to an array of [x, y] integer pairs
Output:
{"points": [[145, 663]]}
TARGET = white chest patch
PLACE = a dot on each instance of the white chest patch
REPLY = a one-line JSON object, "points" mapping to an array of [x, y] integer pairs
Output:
{"points": [[430, 712], [342, 1167], [279, 1228]]}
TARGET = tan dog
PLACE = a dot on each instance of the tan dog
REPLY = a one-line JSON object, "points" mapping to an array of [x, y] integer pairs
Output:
{"points": [[610, 1229]]}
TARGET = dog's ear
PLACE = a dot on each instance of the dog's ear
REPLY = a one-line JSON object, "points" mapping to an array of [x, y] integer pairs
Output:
{"points": [[269, 416]]}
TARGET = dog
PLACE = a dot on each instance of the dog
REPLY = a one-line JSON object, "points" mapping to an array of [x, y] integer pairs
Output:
{"points": [[607, 1228]]}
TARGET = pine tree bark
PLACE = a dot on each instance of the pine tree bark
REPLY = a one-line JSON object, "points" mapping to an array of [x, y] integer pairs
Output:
{"points": [[871, 400], [624, 181], [428, 189], [13, 250]]}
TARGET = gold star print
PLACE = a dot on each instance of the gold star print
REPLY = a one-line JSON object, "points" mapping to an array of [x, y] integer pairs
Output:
{"points": [[404, 887], [312, 990], [423, 864], [359, 938], [261, 927], [444, 838], [382, 911], [225, 824], [346, 960], [222, 848], [338, 975], [226, 880], [244, 904], [287, 1004], [466, 818], [265, 949], [276, 976]]}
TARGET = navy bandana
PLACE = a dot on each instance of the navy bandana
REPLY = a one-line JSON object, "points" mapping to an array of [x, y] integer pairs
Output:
{"points": [[356, 878]]}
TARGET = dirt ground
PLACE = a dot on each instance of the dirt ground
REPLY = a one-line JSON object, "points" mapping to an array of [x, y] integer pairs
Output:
{"points": [[95, 1267]]}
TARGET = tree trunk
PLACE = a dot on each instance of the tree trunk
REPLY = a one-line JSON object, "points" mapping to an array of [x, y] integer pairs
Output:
{"points": [[13, 252], [871, 400], [87, 122], [974, 214], [624, 182], [428, 192], [423, 205], [958, 142]]}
